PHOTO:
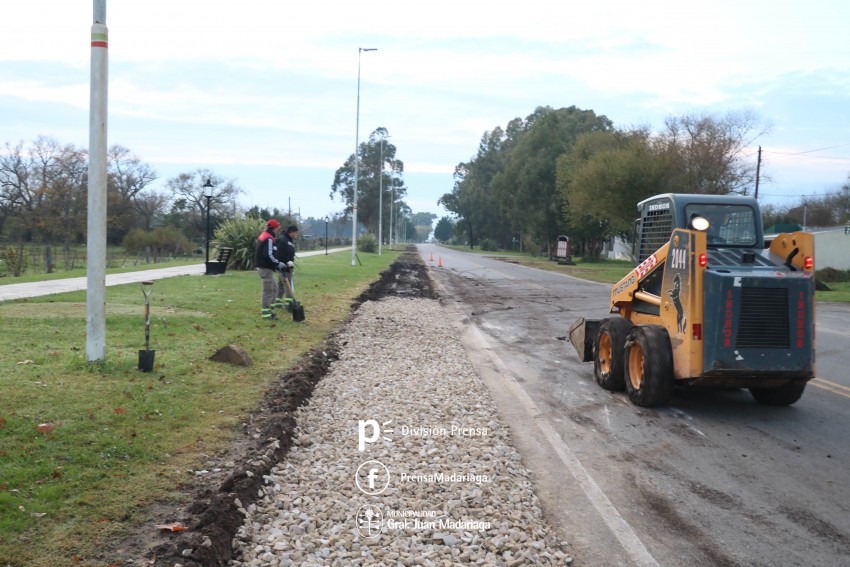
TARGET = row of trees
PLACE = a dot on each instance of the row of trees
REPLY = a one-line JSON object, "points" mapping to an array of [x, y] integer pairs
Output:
{"points": [[43, 198], [43, 195], [815, 211], [569, 171]]}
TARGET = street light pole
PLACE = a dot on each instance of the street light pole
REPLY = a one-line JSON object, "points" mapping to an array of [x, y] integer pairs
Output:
{"points": [[208, 187], [392, 204], [357, 161], [381, 198]]}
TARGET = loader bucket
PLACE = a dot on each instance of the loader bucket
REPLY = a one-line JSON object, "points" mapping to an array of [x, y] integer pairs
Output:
{"points": [[581, 334]]}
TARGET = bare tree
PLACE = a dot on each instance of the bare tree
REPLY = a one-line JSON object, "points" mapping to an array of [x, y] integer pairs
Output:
{"points": [[709, 151], [189, 188]]}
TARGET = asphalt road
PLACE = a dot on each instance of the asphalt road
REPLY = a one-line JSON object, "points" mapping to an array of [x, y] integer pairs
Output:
{"points": [[712, 479]]}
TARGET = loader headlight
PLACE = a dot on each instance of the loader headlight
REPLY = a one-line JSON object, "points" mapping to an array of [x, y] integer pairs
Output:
{"points": [[699, 223]]}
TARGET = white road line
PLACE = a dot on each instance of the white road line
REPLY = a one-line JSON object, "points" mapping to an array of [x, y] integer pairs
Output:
{"points": [[621, 529]]}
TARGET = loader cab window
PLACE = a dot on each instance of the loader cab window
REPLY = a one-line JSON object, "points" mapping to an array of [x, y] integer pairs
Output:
{"points": [[729, 225]]}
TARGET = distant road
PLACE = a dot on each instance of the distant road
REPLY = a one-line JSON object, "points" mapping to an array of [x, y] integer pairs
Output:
{"points": [[38, 289]]}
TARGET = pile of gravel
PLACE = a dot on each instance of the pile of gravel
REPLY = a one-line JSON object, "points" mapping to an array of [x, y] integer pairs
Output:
{"points": [[446, 486]]}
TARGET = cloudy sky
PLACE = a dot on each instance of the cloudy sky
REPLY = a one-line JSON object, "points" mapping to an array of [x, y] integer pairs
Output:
{"points": [[264, 91]]}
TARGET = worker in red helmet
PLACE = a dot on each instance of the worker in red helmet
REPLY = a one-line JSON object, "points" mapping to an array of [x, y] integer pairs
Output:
{"points": [[265, 258]]}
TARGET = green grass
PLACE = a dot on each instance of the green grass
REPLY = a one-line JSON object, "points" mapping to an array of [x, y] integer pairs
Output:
{"points": [[840, 292], [123, 439]]}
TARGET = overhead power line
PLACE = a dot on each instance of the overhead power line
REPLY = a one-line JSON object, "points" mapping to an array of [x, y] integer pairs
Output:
{"points": [[808, 151]]}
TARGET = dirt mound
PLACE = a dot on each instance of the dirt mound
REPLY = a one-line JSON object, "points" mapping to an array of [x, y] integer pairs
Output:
{"points": [[213, 516]]}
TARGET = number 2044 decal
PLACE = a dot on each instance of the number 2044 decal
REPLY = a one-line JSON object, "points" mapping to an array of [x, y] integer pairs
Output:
{"points": [[679, 258]]}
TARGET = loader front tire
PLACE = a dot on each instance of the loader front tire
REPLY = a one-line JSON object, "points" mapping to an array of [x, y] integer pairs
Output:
{"points": [[649, 366], [608, 352], [782, 396]]}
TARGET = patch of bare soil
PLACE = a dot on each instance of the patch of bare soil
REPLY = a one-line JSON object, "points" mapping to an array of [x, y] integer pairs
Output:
{"points": [[213, 516]]}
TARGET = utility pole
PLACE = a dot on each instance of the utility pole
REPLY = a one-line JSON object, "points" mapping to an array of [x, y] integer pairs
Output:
{"points": [[758, 170], [96, 220]]}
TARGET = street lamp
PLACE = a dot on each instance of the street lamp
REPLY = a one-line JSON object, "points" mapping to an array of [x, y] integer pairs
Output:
{"points": [[208, 193], [357, 160]]}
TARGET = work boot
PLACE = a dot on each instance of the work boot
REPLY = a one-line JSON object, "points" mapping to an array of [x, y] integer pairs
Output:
{"points": [[268, 314], [277, 303], [287, 303]]}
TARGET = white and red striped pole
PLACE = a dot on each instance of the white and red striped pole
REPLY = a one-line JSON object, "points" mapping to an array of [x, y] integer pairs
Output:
{"points": [[96, 223]]}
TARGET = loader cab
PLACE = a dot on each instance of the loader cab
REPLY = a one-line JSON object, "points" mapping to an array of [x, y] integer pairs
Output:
{"points": [[733, 222]]}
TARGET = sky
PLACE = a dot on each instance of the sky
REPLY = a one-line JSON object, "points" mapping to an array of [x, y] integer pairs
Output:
{"points": [[264, 92]]}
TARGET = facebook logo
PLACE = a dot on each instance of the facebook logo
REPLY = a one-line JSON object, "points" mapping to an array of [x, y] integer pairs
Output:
{"points": [[372, 477]]}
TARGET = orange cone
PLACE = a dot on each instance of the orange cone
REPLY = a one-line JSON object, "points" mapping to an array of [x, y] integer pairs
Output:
{"points": [[440, 262], [431, 258]]}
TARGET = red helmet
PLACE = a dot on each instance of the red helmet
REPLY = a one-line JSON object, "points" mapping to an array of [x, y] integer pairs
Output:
{"points": [[273, 224]]}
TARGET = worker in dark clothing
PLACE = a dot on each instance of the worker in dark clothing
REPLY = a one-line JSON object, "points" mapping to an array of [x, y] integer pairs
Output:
{"points": [[267, 264], [285, 245]]}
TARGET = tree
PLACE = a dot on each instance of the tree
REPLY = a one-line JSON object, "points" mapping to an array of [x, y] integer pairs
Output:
{"points": [[444, 229], [472, 198], [603, 177], [129, 204], [43, 189], [189, 207], [423, 223], [709, 151], [374, 174], [527, 185]]}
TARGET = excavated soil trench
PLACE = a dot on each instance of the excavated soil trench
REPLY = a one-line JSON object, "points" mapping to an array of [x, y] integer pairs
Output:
{"points": [[213, 517]]}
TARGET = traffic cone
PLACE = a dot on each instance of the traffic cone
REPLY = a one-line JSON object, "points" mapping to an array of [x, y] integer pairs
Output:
{"points": [[440, 262], [431, 258]]}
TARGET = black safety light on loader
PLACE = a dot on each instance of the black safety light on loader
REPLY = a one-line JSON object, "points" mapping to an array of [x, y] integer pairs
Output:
{"points": [[297, 308], [711, 303], [146, 356]]}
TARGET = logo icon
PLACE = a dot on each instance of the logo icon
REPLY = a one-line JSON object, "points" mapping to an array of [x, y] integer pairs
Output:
{"points": [[374, 432], [370, 521], [372, 477]]}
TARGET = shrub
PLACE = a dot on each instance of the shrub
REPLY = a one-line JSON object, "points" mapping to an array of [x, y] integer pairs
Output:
{"points": [[489, 245], [16, 260], [161, 241], [831, 275], [367, 243], [241, 235]]}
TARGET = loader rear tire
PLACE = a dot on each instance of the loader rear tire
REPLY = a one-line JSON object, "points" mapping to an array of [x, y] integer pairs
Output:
{"points": [[782, 396], [608, 352], [649, 366]]}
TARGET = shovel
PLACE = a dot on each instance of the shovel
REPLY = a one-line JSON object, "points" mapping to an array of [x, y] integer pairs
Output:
{"points": [[146, 356], [297, 308]]}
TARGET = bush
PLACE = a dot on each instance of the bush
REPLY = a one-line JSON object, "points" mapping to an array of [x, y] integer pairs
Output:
{"points": [[241, 235], [367, 243], [489, 245], [16, 261], [161, 241], [831, 275]]}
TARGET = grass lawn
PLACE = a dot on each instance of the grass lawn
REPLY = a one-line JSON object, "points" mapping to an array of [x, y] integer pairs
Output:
{"points": [[85, 449], [840, 291]]}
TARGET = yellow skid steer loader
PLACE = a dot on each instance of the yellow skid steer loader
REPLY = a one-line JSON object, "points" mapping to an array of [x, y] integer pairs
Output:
{"points": [[708, 305]]}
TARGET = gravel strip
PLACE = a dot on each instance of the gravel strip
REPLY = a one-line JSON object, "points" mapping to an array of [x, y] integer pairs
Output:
{"points": [[453, 490]]}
